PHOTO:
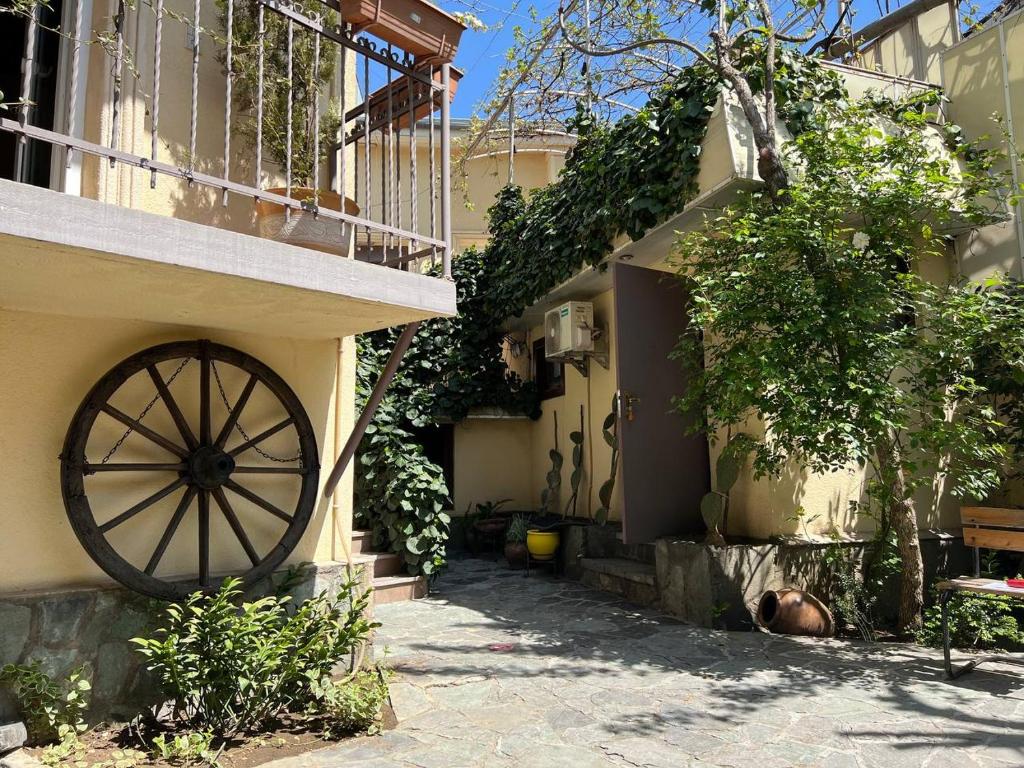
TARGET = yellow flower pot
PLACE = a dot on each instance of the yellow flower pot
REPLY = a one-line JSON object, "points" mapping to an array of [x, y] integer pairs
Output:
{"points": [[542, 544]]}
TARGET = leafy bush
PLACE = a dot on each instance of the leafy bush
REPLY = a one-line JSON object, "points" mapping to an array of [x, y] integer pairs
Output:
{"points": [[976, 622], [51, 710], [185, 748], [517, 529], [401, 495], [353, 705], [232, 669]]}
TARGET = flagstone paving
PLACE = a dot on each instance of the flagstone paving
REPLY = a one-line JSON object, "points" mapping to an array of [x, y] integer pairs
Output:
{"points": [[495, 669]]}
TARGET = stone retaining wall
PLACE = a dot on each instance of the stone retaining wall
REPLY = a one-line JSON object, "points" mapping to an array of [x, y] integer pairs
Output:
{"points": [[92, 627]]}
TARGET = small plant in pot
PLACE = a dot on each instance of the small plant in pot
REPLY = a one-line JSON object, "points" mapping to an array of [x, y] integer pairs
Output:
{"points": [[515, 542], [311, 76]]}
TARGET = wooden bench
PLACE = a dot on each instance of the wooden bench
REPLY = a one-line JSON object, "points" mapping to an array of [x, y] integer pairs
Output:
{"points": [[988, 528]]}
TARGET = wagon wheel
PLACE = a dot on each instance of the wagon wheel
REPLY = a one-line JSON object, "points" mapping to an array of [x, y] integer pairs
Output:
{"points": [[201, 464]]}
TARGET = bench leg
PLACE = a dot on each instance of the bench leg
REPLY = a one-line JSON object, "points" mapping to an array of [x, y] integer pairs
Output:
{"points": [[944, 598]]}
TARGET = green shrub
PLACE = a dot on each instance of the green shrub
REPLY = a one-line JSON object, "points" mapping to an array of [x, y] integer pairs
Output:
{"points": [[232, 669], [53, 710], [352, 705], [185, 748], [976, 622]]}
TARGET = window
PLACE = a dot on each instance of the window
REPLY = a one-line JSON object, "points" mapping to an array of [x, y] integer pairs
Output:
{"points": [[29, 161], [548, 376]]}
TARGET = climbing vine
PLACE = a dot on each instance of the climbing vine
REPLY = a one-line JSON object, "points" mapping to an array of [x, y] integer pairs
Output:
{"points": [[620, 179]]}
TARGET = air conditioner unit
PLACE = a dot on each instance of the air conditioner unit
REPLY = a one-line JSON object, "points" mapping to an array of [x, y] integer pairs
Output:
{"points": [[568, 329]]}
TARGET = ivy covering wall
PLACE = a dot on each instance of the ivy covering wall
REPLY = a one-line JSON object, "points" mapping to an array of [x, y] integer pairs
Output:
{"points": [[620, 179]]}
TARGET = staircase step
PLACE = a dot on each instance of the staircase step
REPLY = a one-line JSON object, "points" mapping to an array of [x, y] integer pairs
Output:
{"points": [[396, 589], [635, 581], [379, 563], [362, 541]]}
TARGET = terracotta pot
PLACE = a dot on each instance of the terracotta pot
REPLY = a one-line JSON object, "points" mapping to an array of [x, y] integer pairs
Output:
{"points": [[302, 227], [795, 612], [415, 26], [515, 553]]}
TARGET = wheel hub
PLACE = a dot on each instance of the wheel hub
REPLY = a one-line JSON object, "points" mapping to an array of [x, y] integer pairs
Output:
{"points": [[210, 467]]}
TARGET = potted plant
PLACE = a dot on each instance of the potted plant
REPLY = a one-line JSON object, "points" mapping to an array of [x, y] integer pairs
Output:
{"points": [[515, 541], [309, 81]]}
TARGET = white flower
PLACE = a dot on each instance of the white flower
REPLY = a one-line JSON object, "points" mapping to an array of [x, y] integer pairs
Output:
{"points": [[861, 241]]}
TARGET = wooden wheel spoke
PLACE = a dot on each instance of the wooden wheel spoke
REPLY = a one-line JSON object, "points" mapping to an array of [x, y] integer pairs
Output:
{"points": [[205, 434], [172, 527], [134, 467], [229, 425], [261, 437], [259, 501], [204, 538], [236, 525], [147, 502], [145, 431], [172, 407]]}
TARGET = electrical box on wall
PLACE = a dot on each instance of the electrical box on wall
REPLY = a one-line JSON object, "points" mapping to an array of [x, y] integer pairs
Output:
{"points": [[569, 329]]}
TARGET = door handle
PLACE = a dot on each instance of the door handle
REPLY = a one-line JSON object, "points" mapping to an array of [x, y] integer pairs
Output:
{"points": [[625, 402]]}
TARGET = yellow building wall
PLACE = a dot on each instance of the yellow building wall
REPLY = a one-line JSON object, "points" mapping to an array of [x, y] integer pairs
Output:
{"points": [[494, 461], [983, 76], [50, 362]]}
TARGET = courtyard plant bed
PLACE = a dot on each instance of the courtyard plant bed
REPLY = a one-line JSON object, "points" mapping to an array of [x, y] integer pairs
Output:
{"points": [[243, 682]]}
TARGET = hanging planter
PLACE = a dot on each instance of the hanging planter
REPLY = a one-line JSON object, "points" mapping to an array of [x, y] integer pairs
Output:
{"points": [[304, 228], [378, 102], [415, 26]]}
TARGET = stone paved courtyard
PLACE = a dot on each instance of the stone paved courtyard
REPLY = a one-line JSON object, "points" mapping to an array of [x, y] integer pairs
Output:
{"points": [[498, 670]]}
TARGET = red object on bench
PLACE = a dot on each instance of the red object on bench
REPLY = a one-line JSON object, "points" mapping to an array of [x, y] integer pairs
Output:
{"points": [[1015, 583]]}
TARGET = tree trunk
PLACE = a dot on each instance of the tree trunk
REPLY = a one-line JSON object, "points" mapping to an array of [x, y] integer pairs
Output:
{"points": [[903, 517]]}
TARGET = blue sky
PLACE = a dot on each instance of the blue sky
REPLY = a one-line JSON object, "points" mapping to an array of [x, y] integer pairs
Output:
{"points": [[481, 54]]}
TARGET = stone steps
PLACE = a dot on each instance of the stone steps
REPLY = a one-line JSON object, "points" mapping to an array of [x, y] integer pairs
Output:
{"points": [[635, 581], [390, 582]]}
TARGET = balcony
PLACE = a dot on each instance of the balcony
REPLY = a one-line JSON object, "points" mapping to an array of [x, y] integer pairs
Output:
{"points": [[231, 164]]}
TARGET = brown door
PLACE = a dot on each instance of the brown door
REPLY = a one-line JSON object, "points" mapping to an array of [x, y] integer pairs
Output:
{"points": [[665, 470]]}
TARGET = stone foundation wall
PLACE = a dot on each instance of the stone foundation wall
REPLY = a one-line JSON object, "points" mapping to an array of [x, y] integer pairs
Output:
{"points": [[93, 627], [721, 586]]}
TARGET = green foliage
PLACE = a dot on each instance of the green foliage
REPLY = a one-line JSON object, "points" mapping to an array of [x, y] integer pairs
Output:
{"points": [[517, 529], [231, 669], [715, 503], [352, 705], [576, 438], [976, 622], [310, 79], [51, 709], [399, 494], [816, 322], [553, 478], [189, 748]]}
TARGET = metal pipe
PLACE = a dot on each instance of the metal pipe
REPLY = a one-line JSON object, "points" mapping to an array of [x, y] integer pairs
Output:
{"points": [[76, 52], [376, 395], [316, 120], [511, 140], [288, 123], [414, 218], [118, 66], [25, 96], [194, 125], [446, 171], [368, 211], [158, 37], [261, 34], [342, 181], [227, 97], [389, 175], [433, 179]]}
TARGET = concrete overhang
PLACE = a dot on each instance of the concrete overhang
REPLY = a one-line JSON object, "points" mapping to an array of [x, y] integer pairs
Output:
{"points": [[66, 255]]}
